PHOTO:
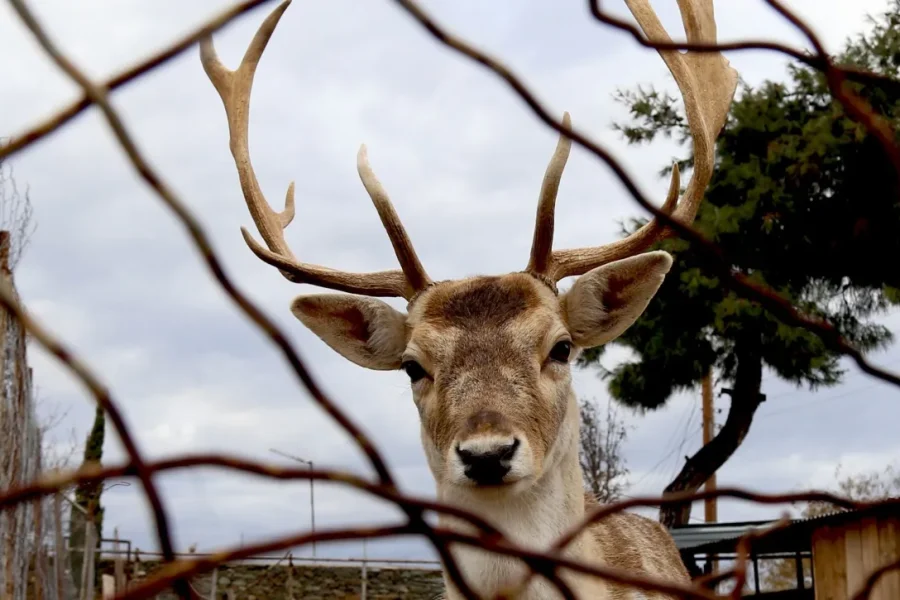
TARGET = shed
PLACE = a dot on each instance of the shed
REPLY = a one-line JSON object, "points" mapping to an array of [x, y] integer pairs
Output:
{"points": [[845, 548]]}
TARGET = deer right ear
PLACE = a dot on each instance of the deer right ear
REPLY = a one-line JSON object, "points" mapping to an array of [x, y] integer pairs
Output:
{"points": [[366, 331]]}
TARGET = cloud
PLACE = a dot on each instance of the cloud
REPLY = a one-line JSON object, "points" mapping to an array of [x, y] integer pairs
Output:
{"points": [[116, 276]]}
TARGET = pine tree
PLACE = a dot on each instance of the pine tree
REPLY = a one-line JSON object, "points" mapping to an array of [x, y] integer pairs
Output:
{"points": [[87, 498], [803, 200]]}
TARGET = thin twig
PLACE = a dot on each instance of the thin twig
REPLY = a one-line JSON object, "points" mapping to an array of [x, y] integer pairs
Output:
{"points": [[710, 253], [488, 539], [816, 61], [856, 107], [67, 113], [99, 97], [874, 577], [105, 401], [743, 552], [546, 563], [186, 568]]}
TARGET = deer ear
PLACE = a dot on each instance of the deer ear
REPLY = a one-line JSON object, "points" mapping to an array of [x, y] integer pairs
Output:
{"points": [[363, 330], [606, 301]]}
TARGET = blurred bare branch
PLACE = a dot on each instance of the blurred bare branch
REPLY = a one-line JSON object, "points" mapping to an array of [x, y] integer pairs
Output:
{"points": [[547, 564]]}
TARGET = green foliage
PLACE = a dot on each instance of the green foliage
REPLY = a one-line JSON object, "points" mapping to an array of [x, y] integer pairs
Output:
{"points": [[87, 496], [804, 201]]}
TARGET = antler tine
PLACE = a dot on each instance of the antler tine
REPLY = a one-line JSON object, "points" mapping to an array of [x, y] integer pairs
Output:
{"points": [[403, 248], [576, 261], [707, 83], [234, 88], [542, 242]]}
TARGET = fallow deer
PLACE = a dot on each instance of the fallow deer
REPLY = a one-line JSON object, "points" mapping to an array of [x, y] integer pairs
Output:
{"points": [[488, 357]]}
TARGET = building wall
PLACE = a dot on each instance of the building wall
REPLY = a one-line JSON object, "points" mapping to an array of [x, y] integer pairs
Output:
{"points": [[259, 582], [845, 556]]}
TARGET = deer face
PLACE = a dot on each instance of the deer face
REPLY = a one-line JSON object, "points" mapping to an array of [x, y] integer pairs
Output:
{"points": [[489, 360], [488, 357]]}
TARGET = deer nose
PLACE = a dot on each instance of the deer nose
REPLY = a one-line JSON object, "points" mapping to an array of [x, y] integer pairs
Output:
{"points": [[487, 464]]}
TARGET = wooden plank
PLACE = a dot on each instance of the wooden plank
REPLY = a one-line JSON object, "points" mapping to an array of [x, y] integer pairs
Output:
{"points": [[118, 565], [868, 537], [822, 559], [856, 574], [888, 587], [828, 564], [839, 566]]}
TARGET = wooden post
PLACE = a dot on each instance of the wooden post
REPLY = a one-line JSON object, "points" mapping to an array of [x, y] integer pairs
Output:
{"points": [[87, 573], [290, 577], [710, 505], [365, 574], [108, 589], [7, 411], [118, 564], [59, 554], [92, 557], [40, 572]]}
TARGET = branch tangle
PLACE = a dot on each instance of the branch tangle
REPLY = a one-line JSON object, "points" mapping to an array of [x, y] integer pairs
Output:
{"points": [[412, 272]]}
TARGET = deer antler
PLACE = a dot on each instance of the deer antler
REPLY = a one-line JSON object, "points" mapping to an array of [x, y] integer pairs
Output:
{"points": [[707, 83], [234, 88]]}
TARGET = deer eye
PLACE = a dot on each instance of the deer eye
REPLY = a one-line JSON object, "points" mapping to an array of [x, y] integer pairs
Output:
{"points": [[414, 370], [561, 351]]}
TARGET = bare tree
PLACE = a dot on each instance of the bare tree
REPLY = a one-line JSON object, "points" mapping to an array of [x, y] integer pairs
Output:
{"points": [[15, 213], [58, 447], [602, 436]]}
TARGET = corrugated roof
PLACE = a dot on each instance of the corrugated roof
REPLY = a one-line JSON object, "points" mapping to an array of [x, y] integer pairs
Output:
{"points": [[796, 537], [690, 536]]}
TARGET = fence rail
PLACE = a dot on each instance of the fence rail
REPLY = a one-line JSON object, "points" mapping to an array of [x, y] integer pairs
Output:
{"points": [[23, 493]]}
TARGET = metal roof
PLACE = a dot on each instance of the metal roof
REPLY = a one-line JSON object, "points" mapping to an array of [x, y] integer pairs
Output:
{"points": [[690, 536], [796, 537]]}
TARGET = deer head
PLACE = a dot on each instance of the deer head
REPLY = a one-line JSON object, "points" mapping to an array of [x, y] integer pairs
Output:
{"points": [[488, 357]]}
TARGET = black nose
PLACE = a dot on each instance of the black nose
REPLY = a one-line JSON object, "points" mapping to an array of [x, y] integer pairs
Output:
{"points": [[488, 468]]}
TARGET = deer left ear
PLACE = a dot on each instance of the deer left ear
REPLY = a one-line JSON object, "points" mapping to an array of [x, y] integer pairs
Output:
{"points": [[606, 301]]}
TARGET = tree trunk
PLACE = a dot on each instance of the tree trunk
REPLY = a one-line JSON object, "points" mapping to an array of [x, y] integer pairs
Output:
{"points": [[745, 399]]}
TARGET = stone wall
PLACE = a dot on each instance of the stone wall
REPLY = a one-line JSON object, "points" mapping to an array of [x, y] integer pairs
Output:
{"points": [[260, 582]]}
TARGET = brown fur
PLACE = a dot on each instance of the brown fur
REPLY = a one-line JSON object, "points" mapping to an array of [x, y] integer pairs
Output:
{"points": [[485, 421], [654, 557], [484, 344], [479, 302], [484, 341]]}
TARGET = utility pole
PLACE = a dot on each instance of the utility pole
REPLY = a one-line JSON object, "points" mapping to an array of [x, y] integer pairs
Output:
{"points": [[710, 504], [312, 496], [709, 424]]}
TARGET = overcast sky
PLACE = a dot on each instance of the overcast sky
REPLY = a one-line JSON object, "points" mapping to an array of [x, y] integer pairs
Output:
{"points": [[111, 271]]}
